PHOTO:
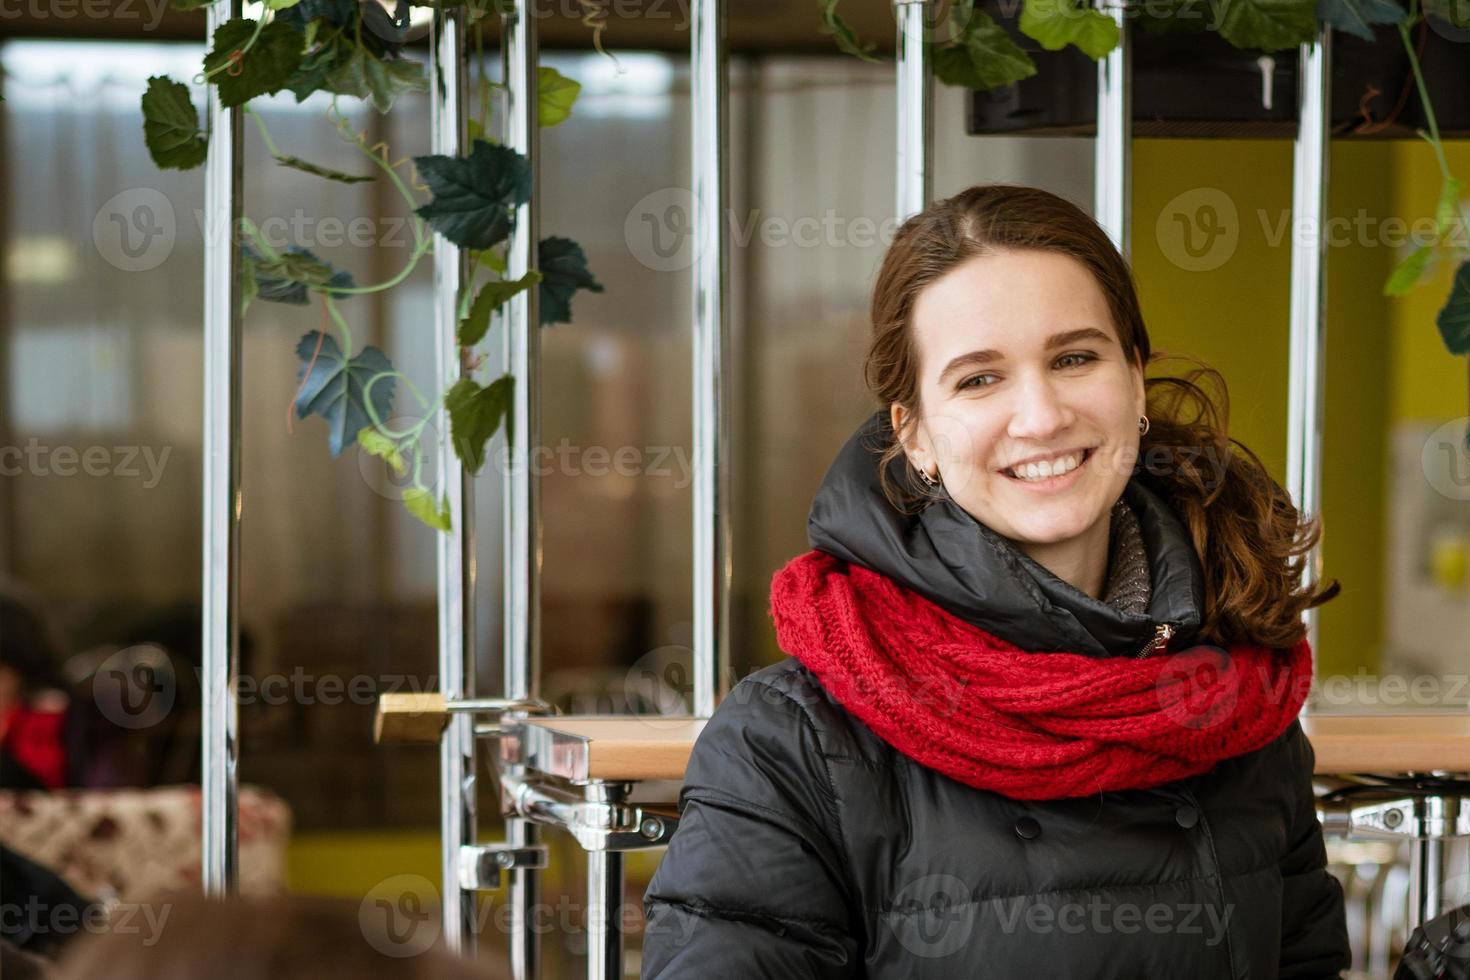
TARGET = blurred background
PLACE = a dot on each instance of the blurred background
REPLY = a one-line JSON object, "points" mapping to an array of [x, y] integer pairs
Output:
{"points": [[101, 350]]}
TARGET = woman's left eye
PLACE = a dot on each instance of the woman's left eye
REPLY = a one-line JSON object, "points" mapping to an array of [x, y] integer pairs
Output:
{"points": [[1082, 357]]}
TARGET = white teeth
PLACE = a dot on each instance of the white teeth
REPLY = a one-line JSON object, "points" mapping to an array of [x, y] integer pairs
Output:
{"points": [[1047, 468]]}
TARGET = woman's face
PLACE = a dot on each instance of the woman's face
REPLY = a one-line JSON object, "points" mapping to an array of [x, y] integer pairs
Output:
{"points": [[1019, 360]]}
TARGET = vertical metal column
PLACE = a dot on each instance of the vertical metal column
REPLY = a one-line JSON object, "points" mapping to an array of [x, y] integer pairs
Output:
{"points": [[1113, 147], [220, 598], [712, 570], [915, 102], [522, 489], [1308, 290], [455, 550], [605, 898]]}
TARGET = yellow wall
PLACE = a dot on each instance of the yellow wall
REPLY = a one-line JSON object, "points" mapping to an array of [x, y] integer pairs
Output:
{"points": [[1385, 362]]}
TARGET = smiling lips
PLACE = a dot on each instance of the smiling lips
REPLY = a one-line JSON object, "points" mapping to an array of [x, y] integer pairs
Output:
{"points": [[1049, 470]]}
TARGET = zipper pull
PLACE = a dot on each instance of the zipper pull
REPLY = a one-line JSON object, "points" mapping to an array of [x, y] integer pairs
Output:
{"points": [[1160, 641]]}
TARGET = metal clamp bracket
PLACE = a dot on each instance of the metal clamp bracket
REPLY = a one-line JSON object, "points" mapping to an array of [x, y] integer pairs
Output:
{"points": [[600, 818], [480, 865]]}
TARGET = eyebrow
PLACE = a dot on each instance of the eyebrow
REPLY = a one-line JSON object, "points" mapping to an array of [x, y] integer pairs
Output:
{"points": [[1056, 340]]}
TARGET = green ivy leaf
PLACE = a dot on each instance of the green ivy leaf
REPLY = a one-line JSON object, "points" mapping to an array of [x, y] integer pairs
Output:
{"points": [[287, 277], [492, 260], [248, 286], [475, 414], [420, 503], [334, 388], [563, 266], [1357, 17], [320, 62], [1407, 272], [281, 4], [296, 163], [171, 125], [847, 39], [374, 443], [474, 196], [489, 299], [557, 93], [1454, 320], [367, 76], [264, 69], [1269, 25], [1056, 23], [985, 57], [1448, 208]]}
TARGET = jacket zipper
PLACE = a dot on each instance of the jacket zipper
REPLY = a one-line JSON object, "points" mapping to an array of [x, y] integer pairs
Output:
{"points": [[1159, 642]]}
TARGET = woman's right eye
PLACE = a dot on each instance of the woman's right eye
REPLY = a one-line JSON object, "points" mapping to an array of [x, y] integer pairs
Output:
{"points": [[974, 377]]}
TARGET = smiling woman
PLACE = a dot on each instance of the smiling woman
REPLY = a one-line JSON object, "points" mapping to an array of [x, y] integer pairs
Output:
{"points": [[1010, 348], [1063, 681]]}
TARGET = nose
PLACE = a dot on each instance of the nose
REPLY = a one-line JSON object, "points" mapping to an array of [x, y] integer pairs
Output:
{"points": [[1040, 410]]}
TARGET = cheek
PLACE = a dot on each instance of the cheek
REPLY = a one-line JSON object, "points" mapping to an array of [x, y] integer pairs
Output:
{"points": [[963, 439]]}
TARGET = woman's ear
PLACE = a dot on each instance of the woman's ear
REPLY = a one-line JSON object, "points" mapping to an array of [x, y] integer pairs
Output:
{"points": [[910, 441]]}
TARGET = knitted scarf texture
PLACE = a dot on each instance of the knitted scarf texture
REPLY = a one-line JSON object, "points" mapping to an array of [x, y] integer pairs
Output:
{"points": [[1028, 725]]}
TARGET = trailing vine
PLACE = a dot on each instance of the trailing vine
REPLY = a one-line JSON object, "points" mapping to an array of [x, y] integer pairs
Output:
{"points": [[353, 49], [971, 50]]}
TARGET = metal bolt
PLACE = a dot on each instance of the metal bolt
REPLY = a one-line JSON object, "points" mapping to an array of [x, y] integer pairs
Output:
{"points": [[1393, 818], [505, 859], [651, 827]]}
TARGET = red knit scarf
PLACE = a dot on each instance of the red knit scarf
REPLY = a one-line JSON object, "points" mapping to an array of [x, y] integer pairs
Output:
{"points": [[1027, 725]]}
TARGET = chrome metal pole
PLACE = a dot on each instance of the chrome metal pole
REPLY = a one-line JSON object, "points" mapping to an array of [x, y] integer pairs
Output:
{"points": [[604, 910], [1426, 859], [709, 106], [1308, 292], [220, 600], [915, 95], [522, 490], [455, 550], [1113, 147]]}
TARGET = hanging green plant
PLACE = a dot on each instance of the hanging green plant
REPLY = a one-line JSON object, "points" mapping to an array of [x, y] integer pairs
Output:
{"points": [[351, 49], [980, 54]]}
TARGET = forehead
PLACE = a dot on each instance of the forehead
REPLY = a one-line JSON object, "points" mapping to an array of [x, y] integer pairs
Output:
{"points": [[1010, 300]]}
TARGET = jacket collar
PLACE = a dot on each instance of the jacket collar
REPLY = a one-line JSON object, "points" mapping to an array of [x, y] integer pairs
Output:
{"points": [[972, 572]]}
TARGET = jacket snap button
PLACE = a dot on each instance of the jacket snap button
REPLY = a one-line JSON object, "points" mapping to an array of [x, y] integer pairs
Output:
{"points": [[1186, 816], [1027, 828]]}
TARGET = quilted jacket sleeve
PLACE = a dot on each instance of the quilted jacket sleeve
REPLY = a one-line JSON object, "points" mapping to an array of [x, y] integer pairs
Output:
{"points": [[752, 885], [1314, 937]]}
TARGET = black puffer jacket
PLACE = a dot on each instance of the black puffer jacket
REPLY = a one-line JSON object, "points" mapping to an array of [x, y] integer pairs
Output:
{"points": [[810, 848]]}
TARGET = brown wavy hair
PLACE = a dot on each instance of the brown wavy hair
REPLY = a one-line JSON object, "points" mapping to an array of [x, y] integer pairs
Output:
{"points": [[1252, 541]]}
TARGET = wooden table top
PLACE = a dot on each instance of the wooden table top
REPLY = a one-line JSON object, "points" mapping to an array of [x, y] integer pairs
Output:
{"points": [[1389, 744], [648, 747]]}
